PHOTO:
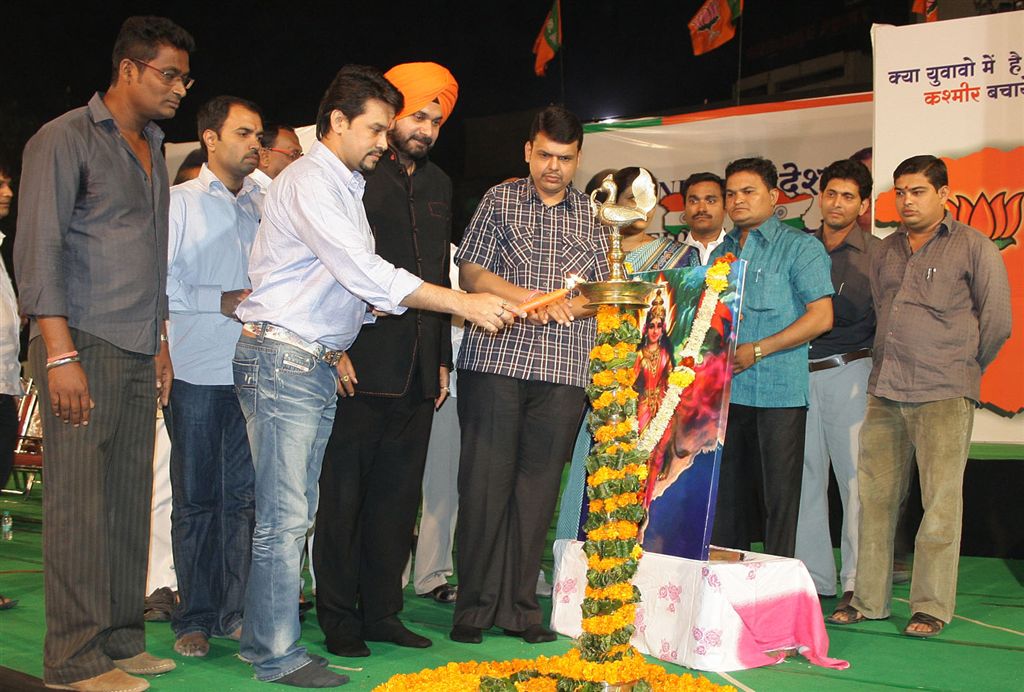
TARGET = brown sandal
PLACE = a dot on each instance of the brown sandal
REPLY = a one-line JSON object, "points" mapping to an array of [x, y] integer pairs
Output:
{"points": [[933, 624], [846, 615]]}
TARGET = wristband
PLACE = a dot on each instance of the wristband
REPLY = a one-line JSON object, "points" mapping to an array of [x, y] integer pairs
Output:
{"points": [[757, 352], [62, 356], [50, 365]]}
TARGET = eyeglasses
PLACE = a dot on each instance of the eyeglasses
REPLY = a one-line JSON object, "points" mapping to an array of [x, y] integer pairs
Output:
{"points": [[291, 154], [169, 76]]}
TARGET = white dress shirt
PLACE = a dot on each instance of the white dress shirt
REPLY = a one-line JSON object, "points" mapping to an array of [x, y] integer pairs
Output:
{"points": [[313, 266], [210, 236], [705, 252], [10, 324], [261, 179]]}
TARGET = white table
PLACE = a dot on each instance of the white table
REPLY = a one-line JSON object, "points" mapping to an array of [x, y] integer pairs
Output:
{"points": [[713, 616]]}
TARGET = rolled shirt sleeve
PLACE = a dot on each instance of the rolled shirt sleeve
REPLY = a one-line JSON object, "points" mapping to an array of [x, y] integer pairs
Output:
{"points": [[50, 180]]}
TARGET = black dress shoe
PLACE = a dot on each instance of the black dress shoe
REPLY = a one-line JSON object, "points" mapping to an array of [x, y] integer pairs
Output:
{"points": [[534, 634], [445, 593], [392, 630], [347, 645], [466, 634]]}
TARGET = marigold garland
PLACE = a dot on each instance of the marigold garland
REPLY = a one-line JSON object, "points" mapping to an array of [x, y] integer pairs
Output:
{"points": [[605, 473], [615, 592], [603, 564], [617, 469], [717, 281], [616, 530]]}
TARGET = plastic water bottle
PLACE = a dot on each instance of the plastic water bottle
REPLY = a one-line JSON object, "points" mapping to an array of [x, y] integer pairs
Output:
{"points": [[7, 525]]}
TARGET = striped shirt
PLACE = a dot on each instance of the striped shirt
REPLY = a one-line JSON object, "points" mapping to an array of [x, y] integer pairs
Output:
{"points": [[515, 235]]}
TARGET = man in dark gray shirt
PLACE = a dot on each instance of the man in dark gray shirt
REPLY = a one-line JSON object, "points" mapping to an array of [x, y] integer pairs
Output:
{"points": [[91, 262], [942, 299], [839, 364]]}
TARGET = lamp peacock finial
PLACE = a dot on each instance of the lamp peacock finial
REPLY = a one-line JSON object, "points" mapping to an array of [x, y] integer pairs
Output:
{"points": [[618, 289], [618, 215]]}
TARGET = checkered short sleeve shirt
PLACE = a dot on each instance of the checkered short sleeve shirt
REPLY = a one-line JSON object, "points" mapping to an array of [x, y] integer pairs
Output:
{"points": [[516, 236]]}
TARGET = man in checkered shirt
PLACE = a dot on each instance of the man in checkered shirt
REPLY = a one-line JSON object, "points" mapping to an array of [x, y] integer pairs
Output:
{"points": [[522, 392]]}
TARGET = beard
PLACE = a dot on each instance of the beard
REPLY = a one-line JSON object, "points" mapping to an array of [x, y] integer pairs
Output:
{"points": [[415, 148]]}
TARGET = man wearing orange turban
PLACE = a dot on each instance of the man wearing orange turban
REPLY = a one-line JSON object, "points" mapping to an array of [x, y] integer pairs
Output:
{"points": [[422, 83], [371, 479]]}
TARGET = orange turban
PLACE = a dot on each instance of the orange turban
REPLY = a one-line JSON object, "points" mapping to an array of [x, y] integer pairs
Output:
{"points": [[421, 83]]}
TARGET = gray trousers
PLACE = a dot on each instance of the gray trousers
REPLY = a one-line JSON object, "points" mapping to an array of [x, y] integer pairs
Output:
{"points": [[939, 434], [99, 479], [838, 397]]}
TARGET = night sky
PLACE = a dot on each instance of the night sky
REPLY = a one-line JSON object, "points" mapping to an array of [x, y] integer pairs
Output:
{"points": [[619, 59]]}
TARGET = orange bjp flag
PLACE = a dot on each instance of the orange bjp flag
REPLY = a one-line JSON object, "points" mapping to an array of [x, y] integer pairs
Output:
{"points": [[549, 40], [714, 24], [928, 8]]}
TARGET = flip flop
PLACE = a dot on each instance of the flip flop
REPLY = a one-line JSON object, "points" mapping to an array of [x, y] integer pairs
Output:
{"points": [[933, 624], [7, 603], [849, 616]]}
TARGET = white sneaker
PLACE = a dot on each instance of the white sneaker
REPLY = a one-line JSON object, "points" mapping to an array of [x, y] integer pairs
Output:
{"points": [[543, 587]]}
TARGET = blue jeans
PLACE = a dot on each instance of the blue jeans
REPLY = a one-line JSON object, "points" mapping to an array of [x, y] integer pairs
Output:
{"points": [[288, 398], [211, 507]]}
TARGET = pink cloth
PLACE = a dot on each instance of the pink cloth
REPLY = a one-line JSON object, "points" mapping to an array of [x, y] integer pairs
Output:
{"points": [[784, 622]]}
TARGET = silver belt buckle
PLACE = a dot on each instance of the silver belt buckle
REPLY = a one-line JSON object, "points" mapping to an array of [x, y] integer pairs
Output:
{"points": [[332, 357]]}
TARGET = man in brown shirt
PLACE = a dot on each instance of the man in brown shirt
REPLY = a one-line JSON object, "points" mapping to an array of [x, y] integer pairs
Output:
{"points": [[942, 299]]}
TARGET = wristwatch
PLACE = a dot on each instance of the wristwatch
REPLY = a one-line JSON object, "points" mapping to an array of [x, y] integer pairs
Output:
{"points": [[757, 352]]}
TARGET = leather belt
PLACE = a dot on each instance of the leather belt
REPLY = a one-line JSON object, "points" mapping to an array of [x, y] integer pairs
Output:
{"points": [[287, 336], [838, 359]]}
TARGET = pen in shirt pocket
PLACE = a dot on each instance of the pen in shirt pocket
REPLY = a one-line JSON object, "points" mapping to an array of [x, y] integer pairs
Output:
{"points": [[840, 291], [928, 275]]}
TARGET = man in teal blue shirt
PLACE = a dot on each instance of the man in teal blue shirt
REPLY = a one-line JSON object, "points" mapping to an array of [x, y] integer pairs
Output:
{"points": [[786, 303]]}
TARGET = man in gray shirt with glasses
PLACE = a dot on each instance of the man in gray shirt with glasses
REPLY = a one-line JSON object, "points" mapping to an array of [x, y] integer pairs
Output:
{"points": [[91, 263]]}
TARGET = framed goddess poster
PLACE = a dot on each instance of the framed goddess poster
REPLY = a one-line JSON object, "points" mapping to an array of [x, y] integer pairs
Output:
{"points": [[684, 369]]}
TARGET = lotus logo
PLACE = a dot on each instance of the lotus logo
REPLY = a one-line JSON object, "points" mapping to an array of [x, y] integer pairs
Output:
{"points": [[999, 216]]}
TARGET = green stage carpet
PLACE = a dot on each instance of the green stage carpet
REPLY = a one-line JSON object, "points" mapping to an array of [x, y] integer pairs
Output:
{"points": [[980, 650]]}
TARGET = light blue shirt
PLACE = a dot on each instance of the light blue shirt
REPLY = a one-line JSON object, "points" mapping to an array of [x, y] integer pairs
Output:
{"points": [[786, 270], [313, 266], [210, 236]]}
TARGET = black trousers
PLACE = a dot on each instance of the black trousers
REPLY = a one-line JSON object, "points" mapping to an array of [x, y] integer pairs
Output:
{"points": [[8, 436], [99, 481], [370, 488], [762, 467], [516, 437]]}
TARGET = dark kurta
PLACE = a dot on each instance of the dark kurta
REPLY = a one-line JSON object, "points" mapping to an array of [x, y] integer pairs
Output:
{"points": [[414, 235]]}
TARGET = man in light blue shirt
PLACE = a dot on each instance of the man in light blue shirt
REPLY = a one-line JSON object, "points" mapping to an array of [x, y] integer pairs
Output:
{"points": [[213, 220], [786, 303], [316, 279]]}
